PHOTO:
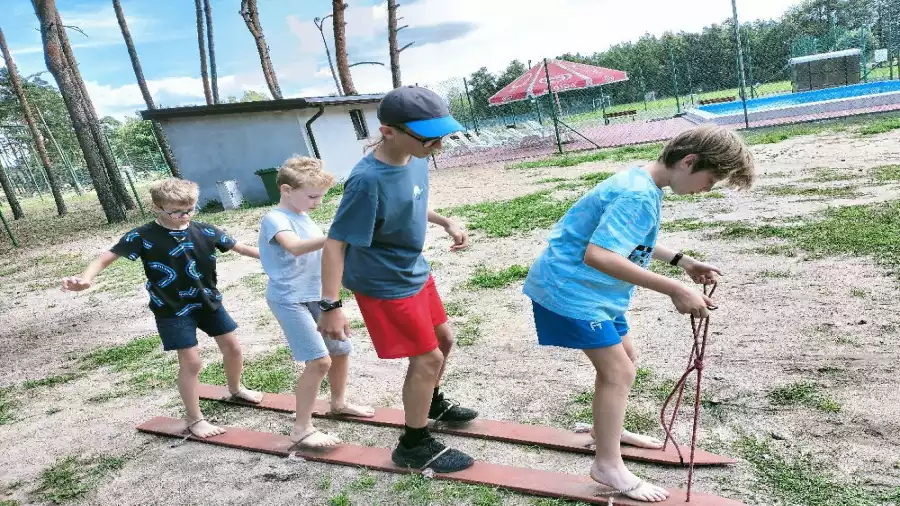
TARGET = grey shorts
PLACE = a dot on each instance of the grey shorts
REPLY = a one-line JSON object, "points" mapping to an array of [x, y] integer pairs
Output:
{"points": [[298, 321]]}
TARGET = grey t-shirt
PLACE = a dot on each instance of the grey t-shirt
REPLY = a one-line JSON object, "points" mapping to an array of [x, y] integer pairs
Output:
{"points": [[291, 278], [383, 216]]}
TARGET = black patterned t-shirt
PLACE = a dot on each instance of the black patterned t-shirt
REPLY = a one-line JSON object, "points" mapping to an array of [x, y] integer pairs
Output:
{"points": [[180, 265]]}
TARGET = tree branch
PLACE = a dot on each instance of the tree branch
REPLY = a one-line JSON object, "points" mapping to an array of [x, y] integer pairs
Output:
{"points": [[402, 27], [79, 30], [405, 47]]}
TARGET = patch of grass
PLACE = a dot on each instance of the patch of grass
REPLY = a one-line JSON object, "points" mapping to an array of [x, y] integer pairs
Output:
{"points": [[469, 331], [146, 365], [778, 134], [507, 217], [768, 274], [545, 501], [10, 502], [880, 126], [826, 175], [357, 323], [70, 478], [455, 308], [831, 192], [416, 490], [637, 419], [774, 250], [365, 482], [255, 282], [688, 225], [803, 394], [488, 278], [272, 372], [50, 381], [863, 230], [8, 406], [801, 481], [345, 294], [886, 173], [671, 197], [122, 278], [324, 386], [341, 499], [856, 292], [551, 180], [620, 154]]}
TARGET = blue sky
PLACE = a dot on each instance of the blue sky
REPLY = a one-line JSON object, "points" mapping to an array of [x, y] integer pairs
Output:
{"points": [[452, 39]]}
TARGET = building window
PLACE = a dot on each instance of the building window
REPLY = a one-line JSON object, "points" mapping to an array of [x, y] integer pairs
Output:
{"points": [[359, 123]]}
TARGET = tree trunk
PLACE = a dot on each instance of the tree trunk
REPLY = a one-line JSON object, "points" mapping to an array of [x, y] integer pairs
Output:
{"points": [[109, 160], [71, 92], [212, 52], [392, 42], [35, 133], [10, 191], [340, 47], [251, 17], [145, 91], [204, 72]]}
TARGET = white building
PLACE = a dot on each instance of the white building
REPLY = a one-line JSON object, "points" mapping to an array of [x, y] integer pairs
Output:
{"points": [[232, 141]]}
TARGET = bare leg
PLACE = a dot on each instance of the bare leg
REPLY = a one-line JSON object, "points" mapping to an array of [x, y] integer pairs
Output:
{"points": [[233, 360], [337, 380], [445, 344], [615, 374], [305, 395], [419, 387], [189, 367]]}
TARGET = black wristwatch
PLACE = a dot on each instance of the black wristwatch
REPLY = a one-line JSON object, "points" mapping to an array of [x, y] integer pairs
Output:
{"points": [[327, 305], [676, 258]]}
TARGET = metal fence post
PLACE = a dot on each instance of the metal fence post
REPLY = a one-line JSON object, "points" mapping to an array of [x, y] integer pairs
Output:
{"points": [[741, 80], [674, 77], [471, 109], [552, 109]]}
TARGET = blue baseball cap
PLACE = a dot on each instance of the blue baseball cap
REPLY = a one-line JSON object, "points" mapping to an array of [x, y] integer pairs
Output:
{"points": [[420, 110]]}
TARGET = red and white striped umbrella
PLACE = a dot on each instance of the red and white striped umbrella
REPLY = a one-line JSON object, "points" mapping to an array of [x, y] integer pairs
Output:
{"points": [[564, 76]]}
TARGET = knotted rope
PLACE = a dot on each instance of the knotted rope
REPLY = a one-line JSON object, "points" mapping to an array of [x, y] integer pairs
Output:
{"points": [[695, 363]]}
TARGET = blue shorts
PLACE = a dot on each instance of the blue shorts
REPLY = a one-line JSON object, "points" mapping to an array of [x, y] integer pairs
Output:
{"points": [[299, 321], [556, 330], [180, 332]]}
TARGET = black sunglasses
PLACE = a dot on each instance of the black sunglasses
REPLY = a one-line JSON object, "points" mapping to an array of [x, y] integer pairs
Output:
{"points": [[427, 142]]}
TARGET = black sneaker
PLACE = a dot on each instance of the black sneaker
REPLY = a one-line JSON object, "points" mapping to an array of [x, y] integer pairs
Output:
{"points": [[446, 410], [431, 453]]}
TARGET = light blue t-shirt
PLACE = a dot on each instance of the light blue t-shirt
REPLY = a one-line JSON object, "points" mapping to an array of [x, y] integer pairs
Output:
{"points": [[383, 217], [292, 279], [621, 214]]}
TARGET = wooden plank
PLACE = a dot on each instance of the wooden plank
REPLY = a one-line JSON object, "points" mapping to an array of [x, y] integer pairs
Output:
{"points": [[508, 432], [518, 479]]}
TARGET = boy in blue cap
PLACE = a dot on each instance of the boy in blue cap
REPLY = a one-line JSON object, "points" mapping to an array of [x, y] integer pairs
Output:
{"points": [[374, 247]]}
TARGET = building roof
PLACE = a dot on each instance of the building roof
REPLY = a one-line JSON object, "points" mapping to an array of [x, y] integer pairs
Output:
{"points": [[824, 56], [286, 104]]}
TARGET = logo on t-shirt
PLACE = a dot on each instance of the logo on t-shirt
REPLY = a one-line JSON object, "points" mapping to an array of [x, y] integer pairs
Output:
{"points": [[641, 255], [416, 191]]}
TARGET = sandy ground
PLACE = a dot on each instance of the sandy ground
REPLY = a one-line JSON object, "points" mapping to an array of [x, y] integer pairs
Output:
{"points": [[768, 332]]}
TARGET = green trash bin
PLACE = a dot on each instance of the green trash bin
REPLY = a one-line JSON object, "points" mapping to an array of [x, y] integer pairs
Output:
{"points": [[269, 177]]}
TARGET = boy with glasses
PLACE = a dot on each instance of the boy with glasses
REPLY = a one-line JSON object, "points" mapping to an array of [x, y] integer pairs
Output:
{"points": [[180, 264]]}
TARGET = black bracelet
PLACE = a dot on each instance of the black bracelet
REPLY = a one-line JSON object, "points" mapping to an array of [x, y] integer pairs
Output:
{"points": [[676, 258]]}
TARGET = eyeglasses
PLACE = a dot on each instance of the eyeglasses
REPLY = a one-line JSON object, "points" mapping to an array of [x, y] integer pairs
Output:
{"points": [[427, 142], [180, 214]]}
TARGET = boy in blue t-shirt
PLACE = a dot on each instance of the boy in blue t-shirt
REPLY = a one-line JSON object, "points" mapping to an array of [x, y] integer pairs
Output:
{"points": [[581, 285]]}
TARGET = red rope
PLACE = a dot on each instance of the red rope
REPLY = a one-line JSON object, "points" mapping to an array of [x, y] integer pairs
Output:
{"points": [[695, 363]]}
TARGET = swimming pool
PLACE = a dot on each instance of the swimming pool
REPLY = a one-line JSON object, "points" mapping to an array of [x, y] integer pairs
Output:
{"points": [[840, 98]]}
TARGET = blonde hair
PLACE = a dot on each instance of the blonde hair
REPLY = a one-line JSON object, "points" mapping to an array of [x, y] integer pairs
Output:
{"points": [[179, 192], [719, 150], [303, 171]]}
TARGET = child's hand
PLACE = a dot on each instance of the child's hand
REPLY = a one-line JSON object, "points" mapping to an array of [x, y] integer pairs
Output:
{"points": [[334, 325], [75, 284], [460, 237], [701, 273], [690, 301]]}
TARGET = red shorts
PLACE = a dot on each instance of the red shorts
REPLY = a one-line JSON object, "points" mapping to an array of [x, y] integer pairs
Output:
{"points": [[402, 328]]}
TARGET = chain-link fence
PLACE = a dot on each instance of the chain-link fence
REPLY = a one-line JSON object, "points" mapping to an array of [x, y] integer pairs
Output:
{"points": [[797, 69]]}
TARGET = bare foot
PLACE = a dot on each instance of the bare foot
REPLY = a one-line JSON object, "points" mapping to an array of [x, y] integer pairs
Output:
{"points": [[248, 395], [640, 440], [203, 429], [353, 410], [630, 438], [627, 484], [312, 438]]}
